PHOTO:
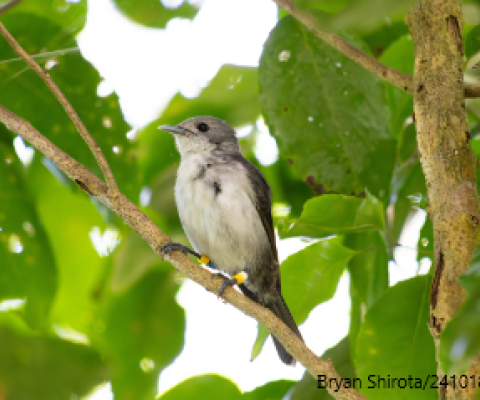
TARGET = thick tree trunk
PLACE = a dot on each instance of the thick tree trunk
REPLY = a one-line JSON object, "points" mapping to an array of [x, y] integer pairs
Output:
{"points": [[447, 158]]}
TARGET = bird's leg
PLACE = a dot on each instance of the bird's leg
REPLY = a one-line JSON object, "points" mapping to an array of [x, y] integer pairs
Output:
{"points": [[236, 279], [185, 250]]}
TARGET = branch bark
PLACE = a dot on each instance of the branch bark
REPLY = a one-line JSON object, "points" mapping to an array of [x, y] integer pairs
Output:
{"points": [[82, 130], [154, 236], [7, 6], [448, 162]]}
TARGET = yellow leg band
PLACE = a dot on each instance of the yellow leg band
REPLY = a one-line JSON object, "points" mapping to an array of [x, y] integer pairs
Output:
{"points": [[240, 277], [204, 259]]}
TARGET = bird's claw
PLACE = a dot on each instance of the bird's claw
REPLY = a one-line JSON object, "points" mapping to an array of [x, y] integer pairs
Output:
{"points": [[226, 282], [172, 246]]}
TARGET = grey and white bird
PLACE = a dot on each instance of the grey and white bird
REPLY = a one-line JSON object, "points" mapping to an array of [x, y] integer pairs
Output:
{"points": [[224, 203]]}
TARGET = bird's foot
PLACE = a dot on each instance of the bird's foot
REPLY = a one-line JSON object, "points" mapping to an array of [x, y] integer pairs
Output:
{"points": [[236, 279], [172, 246]]}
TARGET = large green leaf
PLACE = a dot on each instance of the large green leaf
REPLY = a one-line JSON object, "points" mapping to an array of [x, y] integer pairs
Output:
{"points": [[399, 56], [337, 214], [24, 93], [394, 341], [134, 257], [27, 265], [368, 15], [425, 240], [327, 113], [309, 277], [368, 274], [307, 387], [142, 331], [71, 15], [69, 219], [275, 390], [215, 387], [472, 42], [369, 268], [34, 367], [153, 13], [459, 341], [231, 95]]}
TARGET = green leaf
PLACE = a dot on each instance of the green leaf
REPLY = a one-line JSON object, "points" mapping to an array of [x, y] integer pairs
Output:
{"points": [[262, 335], [142, 331], [383, 37], [459, 340], [307, 387], [394, 340], [69, 218], [24, 93], [369, 268], [33, 367], [71, 15], [27, 264], [309, 277], [472, 42], [337, 214], [368, 15], [231, 95], [153, 13], [132, 260], [470, 280], [399, 56], [368, 275], [217, 387], [345, 144], [425, 240], [275, 390]]}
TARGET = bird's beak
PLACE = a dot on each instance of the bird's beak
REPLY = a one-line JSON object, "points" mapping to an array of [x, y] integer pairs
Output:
{"points": [[173, 129]]}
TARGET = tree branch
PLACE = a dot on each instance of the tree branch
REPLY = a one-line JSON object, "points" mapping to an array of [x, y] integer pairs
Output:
{"points": [[7, 6], [82, 130], [396, 78], [472, 90], [390, 75], [152, 234], [448, 162]]}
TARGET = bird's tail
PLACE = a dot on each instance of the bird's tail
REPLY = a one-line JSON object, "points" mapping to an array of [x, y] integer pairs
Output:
{"points": [[277, 305], [280, 309]]}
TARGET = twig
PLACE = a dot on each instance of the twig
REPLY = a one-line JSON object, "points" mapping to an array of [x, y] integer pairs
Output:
{"points": [[152, 234], [390, 75], [472, 90], [7, 6], [94, 147]]}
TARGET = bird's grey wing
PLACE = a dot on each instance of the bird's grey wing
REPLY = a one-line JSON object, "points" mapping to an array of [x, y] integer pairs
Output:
{"points": [[262, 201]]}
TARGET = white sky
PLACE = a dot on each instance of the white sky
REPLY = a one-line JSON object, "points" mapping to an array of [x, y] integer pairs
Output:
{"points": [[146, 67]]}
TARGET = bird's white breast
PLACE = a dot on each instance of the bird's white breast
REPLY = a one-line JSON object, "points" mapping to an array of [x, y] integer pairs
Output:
{"points": [[224, 225]]}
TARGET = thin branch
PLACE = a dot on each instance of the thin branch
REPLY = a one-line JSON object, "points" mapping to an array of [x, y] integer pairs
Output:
{"points": [[396, 78], [152, 234], [472, 90], [94, 147], [7, 6], [390, 75]]}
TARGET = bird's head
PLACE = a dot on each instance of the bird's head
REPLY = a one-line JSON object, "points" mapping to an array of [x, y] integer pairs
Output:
{"points": [[203, 135]]}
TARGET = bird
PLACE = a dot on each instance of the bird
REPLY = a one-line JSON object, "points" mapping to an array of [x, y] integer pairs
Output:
{"points": [[224, 204]]}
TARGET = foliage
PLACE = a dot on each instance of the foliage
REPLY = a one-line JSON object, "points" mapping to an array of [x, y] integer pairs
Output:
{"points": [[347, 173]]}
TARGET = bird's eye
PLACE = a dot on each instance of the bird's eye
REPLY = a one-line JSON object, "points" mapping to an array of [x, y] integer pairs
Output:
{"points": [[203, 127]]}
